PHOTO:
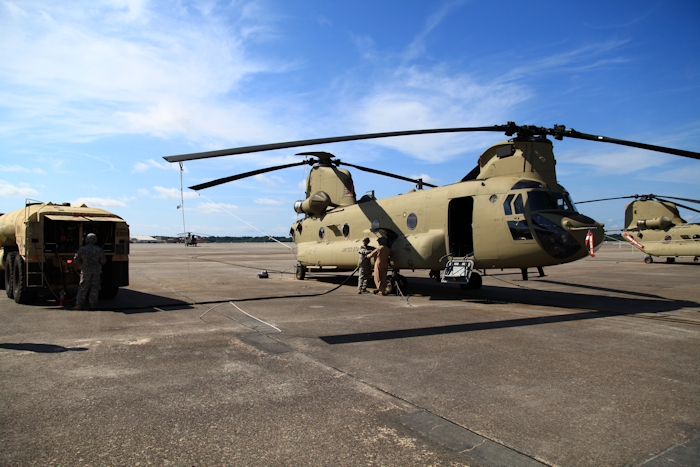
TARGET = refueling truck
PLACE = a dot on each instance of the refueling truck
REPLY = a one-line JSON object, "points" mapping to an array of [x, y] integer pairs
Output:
{"points": [[38, 242]]}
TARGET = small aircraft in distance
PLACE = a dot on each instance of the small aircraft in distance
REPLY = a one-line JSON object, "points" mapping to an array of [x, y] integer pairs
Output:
{"points": [[190, 238], [507, 212], [654, 226]]}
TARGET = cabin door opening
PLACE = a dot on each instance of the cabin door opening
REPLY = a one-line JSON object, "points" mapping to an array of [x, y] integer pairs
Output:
{"points": [[459, 219]]}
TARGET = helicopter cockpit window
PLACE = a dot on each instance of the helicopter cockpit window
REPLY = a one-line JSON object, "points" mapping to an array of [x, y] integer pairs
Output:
{"points": [[346, 230], [411, 221], [321, 233], [696, 237], [506, 205], [522, 184], [548, 201], [518, 205]]}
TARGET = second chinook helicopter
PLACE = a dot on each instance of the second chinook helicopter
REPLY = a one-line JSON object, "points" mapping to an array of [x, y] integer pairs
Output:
{"points": [[654, 226], [508, 212]]}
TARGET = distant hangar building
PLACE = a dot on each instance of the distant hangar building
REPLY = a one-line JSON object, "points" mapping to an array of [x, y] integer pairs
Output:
{"points": [[143, 239]]}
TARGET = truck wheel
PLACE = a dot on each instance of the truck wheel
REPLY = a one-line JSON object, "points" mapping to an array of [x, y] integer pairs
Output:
{"points": [[19, 283], [9, 264], [109, 292]]}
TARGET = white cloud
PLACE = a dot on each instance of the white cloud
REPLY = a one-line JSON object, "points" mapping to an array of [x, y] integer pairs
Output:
{"points": [[268, 201], [173, 193], [143, 192], [8, 190], [19, 168], [214, 208], [150, 163], [270, 180], [413, 98], [426, 178], [104, 203], [129, 66]]}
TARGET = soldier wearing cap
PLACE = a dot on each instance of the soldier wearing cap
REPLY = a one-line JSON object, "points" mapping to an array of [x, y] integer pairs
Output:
{"points": [[364, 266], [90, 259]]}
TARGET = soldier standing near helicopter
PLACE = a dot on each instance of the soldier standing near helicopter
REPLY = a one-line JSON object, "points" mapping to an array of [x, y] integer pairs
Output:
{"points": [[381, 265], [364, 265], [90, 259]]}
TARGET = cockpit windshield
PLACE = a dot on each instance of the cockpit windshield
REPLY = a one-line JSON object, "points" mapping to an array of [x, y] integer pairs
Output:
{"points": [[549, 200]]}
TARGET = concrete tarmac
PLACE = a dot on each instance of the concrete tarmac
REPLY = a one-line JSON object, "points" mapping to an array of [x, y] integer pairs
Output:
{"points": [[201, 363]]}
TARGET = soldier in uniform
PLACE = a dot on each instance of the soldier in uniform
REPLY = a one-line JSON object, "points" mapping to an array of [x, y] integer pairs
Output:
{"points": [[364, 266], [381, 265], [90, 259]]}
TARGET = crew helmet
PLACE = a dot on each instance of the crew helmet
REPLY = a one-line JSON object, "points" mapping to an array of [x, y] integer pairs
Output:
{"points": [[91, 238]]}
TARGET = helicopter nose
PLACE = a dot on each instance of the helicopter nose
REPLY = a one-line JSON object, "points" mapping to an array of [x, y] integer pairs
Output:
{"points": [[565, 236], [579, 226]]}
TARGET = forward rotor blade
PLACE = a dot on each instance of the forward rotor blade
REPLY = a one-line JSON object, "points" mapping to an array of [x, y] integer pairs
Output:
{"points": [[335, 139], [558, 132], [220, 181], [387, 174]]}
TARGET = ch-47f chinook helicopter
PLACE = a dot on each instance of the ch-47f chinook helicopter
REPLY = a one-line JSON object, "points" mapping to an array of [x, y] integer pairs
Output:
{"points": [[654, 226], [508, 212]]}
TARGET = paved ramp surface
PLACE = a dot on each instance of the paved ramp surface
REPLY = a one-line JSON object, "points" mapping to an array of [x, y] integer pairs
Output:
{"points": [[200, 362]]}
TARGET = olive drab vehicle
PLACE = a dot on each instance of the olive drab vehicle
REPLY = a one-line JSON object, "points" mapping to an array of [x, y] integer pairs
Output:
{"points": [[38, 242], [654, 226], [509, 212]]}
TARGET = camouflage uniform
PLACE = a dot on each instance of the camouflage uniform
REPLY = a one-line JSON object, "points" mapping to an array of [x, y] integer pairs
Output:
{"points": [[364, 267], [91, 258]]}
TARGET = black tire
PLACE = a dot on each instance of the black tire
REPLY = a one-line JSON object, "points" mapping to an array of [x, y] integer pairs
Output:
{"points": [[300, 272], [648, 260], [109, 292], [20, 291], [670, 260], [399, 282], [474, 283], [9, 264]]}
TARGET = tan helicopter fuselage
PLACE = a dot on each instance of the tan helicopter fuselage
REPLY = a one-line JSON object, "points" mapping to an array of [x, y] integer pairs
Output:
{"points": [[656, 228], [514, 214]]}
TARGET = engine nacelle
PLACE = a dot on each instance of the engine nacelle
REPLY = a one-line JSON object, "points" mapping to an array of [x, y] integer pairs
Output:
{"points": [[314, 205], [656, 223]]}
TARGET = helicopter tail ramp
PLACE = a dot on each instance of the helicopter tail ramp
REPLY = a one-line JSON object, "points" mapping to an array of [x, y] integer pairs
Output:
{"points": [[38, 242]]}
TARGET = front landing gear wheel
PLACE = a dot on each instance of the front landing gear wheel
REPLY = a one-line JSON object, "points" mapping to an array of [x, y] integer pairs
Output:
{"points": [[474, 283], [299, 272], [648, 260]]}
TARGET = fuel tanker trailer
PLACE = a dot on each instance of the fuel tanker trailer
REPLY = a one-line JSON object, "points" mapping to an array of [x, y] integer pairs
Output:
{"points": [[38, 242]]}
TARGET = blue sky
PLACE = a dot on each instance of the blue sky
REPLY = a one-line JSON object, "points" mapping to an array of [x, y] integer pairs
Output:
{"points": [[94, 93]]}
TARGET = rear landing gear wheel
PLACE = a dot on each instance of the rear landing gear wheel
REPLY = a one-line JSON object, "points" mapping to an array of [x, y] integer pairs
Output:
{"points": [[396, 282], [300, 272], [474, 283], [648, 260], [670, 260]]}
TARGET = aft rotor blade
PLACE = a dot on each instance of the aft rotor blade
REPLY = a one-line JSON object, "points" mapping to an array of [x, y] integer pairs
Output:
{"points": [[387, 174], [335, 139], [558, 132], [682, 199], [220, 181], [678, 204], [606, 199]]}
